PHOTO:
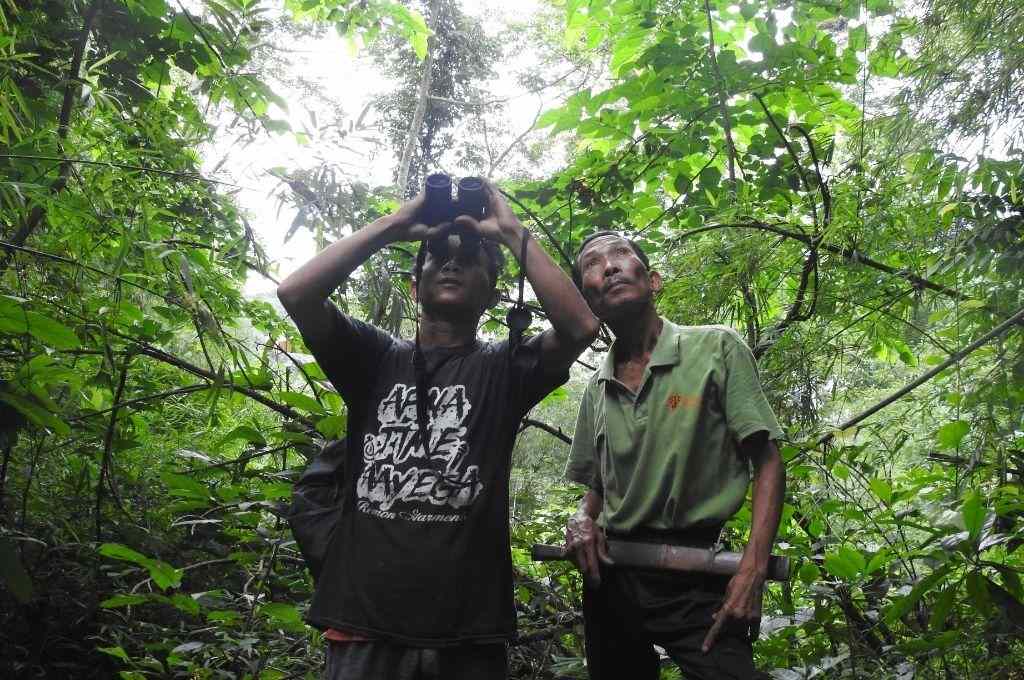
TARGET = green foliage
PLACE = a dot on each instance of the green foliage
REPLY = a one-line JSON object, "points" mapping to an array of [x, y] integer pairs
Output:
{"points": [[798, 181]]}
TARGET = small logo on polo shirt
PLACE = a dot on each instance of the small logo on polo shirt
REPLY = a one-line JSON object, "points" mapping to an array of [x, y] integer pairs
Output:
{"points": [[674, 401]]}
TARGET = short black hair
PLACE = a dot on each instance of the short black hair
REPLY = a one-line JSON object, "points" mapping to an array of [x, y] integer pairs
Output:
{"points": [[495, 260], [577, 275]]}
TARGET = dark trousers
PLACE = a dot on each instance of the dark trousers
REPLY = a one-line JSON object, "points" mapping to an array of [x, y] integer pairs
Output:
{"points": [[635, 609], [383, 660]]}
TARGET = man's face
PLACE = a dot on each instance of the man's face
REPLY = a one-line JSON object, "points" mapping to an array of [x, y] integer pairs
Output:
{"points": [[456, 287], [615, 281]]}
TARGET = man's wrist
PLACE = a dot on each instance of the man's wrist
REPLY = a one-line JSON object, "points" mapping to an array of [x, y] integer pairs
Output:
{"points": [[390, 229]]}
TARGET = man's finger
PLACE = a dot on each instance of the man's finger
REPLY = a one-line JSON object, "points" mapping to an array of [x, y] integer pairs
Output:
{"points": [[468, 221], [709, 639]]}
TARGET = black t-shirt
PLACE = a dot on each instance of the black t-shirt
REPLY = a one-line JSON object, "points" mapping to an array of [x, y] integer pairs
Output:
{"points": [[421, 553]]}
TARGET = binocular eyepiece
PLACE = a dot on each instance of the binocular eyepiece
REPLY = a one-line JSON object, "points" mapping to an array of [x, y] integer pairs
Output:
{"points": [[439, 205]]}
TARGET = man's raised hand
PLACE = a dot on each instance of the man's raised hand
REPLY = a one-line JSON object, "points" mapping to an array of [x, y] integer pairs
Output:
{"points": [[408, 223]]}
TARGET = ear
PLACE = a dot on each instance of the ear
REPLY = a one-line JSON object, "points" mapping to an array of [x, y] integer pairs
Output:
{"points": [[413, 290], [656, 282]]}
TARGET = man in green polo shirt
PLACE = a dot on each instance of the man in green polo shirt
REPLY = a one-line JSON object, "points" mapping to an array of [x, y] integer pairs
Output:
{"points": [[668, 431]]}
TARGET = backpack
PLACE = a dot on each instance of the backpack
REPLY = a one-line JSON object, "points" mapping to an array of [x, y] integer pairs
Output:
{"points": [[317, 499]]}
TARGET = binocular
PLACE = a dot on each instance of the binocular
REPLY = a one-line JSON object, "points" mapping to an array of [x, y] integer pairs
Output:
{"points": [[439, 207]]}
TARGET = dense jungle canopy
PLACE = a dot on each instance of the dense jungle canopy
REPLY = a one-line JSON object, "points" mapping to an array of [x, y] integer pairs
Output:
{"points": [[842, 181]]}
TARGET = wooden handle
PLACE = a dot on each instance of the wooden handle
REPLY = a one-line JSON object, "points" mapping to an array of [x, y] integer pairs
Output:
{"points": [[547, 553]]}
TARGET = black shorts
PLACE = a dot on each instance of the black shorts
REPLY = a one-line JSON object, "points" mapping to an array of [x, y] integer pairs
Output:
{"points": [[383, 660], [635, 609]]}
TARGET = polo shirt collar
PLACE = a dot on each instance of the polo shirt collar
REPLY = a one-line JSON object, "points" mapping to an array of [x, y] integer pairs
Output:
{"points": [[666, 351]]}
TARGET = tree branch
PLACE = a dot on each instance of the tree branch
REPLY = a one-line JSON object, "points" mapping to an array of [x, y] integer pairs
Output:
{"points": [[792, 154], [550, 429], [722, 99], [848, 254], [996, 332]]}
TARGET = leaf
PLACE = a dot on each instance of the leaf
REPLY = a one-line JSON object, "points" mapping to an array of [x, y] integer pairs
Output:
{"points": [[881, 488], [124, 600], [275, 491], [243, 432], [900, 607], [941, 608], [331, 427], [809, 572], [188, 647], [122, 552], [50, 332], [973, 512], [115, 652], [977, 590], [13, 573], [923, 645], [180, 485], [879, 560], [951, 434], [28, 406], [281, 612], [846, 563], [301, 401], [164, 575]]}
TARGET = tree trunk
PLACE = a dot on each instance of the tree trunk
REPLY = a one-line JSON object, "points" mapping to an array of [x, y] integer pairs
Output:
{"points": [[422, 100]]}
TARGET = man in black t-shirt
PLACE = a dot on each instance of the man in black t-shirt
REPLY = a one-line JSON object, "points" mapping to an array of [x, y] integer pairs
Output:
{"points": [[417, 581]]}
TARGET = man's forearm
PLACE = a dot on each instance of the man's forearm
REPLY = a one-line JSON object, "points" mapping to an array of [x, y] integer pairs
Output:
{"points": [[314, 281], [768, 496], [569, 314]]}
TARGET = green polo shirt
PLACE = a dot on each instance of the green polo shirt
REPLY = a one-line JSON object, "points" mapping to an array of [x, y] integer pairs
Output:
{"points": [[668, 456]]}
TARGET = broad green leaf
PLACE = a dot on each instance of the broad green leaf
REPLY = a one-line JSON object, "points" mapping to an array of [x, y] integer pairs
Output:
{"points": [[124, 600], [881, 488], [977, 591], [181, 485], [846, 563], [117, 652], [30, 408], [164, 575], [301, 401], [123, 552], [951, 434], [809, 572], [928, 644], [275, 491], [50, 332], [878, 560], [973, 511], [332, 427], [243, 432], [281, 612], [940, 610]]}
